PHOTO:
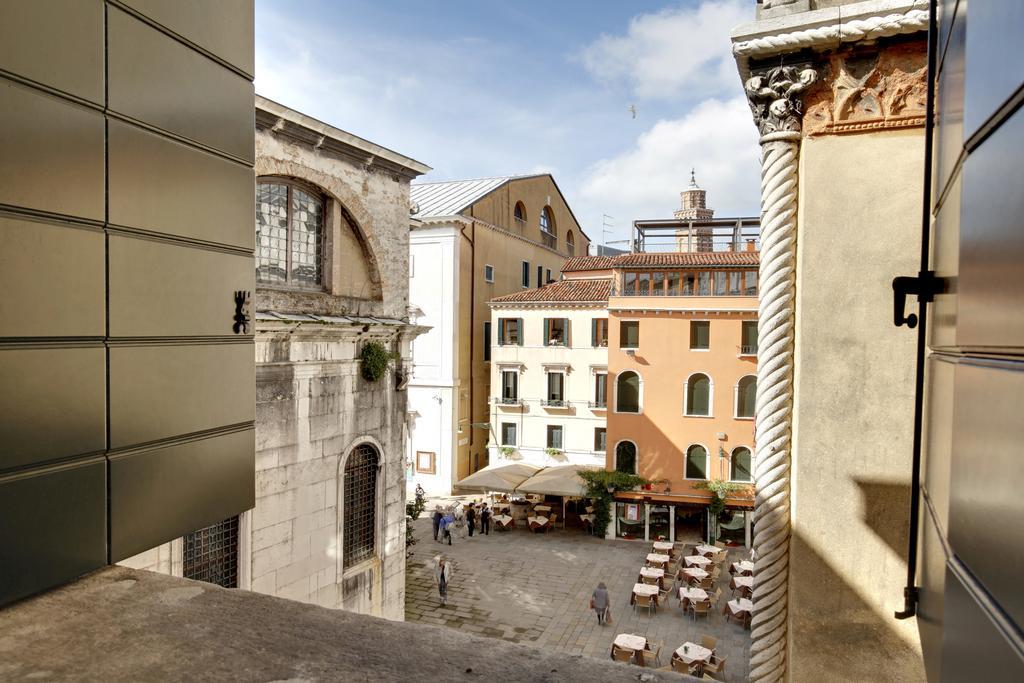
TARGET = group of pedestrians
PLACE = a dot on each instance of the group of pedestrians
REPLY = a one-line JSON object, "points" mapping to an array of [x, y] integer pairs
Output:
{"points": [[460, 520]]}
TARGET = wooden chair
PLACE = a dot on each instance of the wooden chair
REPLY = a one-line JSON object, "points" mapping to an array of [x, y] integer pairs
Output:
{"points": [[649, 580], [715, 667], [707, 583], [644, 601], [709, 642], [652, 653], [552, 520], [679, 665], [703, 608], [620, 654], [720, 544], [746, 592], [664, 595]]}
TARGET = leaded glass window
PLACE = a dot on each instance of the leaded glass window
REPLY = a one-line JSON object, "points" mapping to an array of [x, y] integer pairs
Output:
{"points": [[360, 528], [289, 235]]}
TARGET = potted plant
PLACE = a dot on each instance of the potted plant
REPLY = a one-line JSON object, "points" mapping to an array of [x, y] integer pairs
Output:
{"points": [[555, 453], [506, 451]]}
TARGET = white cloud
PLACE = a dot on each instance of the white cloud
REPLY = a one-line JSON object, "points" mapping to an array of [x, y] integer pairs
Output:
{"points": [[717, 137], [665, 54]]}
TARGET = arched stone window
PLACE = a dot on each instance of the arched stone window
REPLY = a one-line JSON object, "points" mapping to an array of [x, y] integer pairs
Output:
{"points": [[627, 392], [360, 504], [289, 234], [746, 395], [740, 468], [519, 213], [570, 243], [625, 457], [698, 395], [696, 462]]}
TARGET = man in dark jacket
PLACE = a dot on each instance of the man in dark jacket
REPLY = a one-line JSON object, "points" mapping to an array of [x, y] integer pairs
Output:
{"points": [[435, 519], [485, 520], [471, 519]]}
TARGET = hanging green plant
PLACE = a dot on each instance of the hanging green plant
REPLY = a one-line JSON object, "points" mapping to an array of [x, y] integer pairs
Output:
{"points": [[375, 359], [601, 488]]}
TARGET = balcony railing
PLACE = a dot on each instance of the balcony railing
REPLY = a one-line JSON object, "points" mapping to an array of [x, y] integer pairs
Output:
{"points": [[618, 289], [599, 404], [555, 342], [748, 350], [506, 401], [550, 241], [554, 403]]}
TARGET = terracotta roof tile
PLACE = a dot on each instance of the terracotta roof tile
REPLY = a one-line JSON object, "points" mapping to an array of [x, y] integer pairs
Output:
{"points": [[567, 291], [689, 258], [587, 263]]}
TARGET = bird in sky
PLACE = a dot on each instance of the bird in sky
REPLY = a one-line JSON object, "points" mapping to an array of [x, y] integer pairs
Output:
{"points": [[632, 110]]}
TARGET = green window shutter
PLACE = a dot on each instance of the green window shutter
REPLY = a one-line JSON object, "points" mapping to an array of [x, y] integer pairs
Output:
{"points": [[522, 333], [501, 331], [547, 335], [593, 331], [565, 327]]}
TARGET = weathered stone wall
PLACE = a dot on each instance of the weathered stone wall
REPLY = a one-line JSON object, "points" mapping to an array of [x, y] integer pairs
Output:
{"points": [[313, 408]]}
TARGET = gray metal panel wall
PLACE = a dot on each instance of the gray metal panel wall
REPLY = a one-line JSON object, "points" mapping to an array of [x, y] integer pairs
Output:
{"points": [[971, 608], [126, 214]]}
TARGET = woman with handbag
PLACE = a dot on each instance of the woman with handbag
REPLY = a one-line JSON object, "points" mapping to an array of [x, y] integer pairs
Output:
{"points": [[599, 602]]}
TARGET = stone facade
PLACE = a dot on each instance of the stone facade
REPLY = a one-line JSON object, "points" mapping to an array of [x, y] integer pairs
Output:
{"points": [[314, 408]]}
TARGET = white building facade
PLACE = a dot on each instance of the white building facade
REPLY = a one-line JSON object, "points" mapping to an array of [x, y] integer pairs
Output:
{"points": [[549, 369]]}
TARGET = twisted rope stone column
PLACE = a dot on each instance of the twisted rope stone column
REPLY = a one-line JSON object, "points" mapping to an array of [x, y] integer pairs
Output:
{"points": [[775, 99]]}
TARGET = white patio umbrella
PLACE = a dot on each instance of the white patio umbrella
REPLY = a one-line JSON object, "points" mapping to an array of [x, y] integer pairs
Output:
{"points": [[504, 476], [563, 480]]}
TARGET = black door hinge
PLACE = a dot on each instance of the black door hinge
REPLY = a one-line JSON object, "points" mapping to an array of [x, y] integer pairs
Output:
{"points": [[925, 286]]}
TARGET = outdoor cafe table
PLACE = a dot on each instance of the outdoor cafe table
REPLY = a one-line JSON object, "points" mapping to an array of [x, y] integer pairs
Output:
{"points": [[539, 521], [742, 582], [542, 508], [502, 520], [655, 558], [644, 589], [653, 573], [628, 641], [695, 572], [696, 561], [692, 652], [588, 518], [501, 506], [708, 550], [692, 594], [740, 605], [743, 567], [662, 545]]}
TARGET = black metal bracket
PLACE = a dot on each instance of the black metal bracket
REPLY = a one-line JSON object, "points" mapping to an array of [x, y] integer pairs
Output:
{"points": [[925, 286], [241, 317], [910, 594]]}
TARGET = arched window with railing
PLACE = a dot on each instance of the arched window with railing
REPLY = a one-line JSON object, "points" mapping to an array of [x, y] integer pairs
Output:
{"points": [[548, 235], [746, 395], [360, 504], [697, 391], [628, 392]]}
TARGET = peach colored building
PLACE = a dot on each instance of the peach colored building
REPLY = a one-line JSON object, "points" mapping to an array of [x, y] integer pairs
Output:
{"points": [[682, 371]]}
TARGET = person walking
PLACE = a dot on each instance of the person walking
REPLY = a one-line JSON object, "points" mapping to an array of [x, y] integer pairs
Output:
{"points": [[442, 577], [485, 520], [447, 522], [599, 602], [435, 520], [471, 519]]}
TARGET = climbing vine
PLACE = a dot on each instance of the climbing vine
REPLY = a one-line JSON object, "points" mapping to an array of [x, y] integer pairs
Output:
{"points": [[598, 484]]}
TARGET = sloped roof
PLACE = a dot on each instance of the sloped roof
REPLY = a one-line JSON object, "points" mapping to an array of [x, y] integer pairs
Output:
{"points": [[565, 291], [588, 263], [666, 260], [450, 197]]}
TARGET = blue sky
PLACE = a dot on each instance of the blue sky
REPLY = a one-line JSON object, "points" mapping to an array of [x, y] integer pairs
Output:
{"points": [[484, 88]]}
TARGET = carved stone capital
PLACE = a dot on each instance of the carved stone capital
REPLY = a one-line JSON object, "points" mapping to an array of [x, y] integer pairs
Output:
{"points": [[776, 98]]}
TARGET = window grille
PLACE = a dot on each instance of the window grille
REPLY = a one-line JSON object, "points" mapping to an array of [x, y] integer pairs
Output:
{"points": [[360, 504], [211, 554]]}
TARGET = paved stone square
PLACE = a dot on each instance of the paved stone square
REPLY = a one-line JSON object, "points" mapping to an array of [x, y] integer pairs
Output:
{"points": [[536, 588]]}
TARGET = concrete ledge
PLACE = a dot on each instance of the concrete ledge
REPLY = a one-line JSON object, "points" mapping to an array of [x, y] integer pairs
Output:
{"points": [[120, 624]]}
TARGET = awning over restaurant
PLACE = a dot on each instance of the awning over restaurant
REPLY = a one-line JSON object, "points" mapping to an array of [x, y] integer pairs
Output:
{"points": [[563, 480], [505, 476]]}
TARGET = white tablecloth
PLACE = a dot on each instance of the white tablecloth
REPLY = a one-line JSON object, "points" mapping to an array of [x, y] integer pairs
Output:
{"points": [[747, 581], [644, 589], [655, 558], [652, 572], [743, 566], [542, 508], [629, 641], [692, 652], [662, 545], [539, 520], [696, 561], [587, 518], [695, 572], [740, 605], [502, 519], [705, 549], [693, 593]]}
